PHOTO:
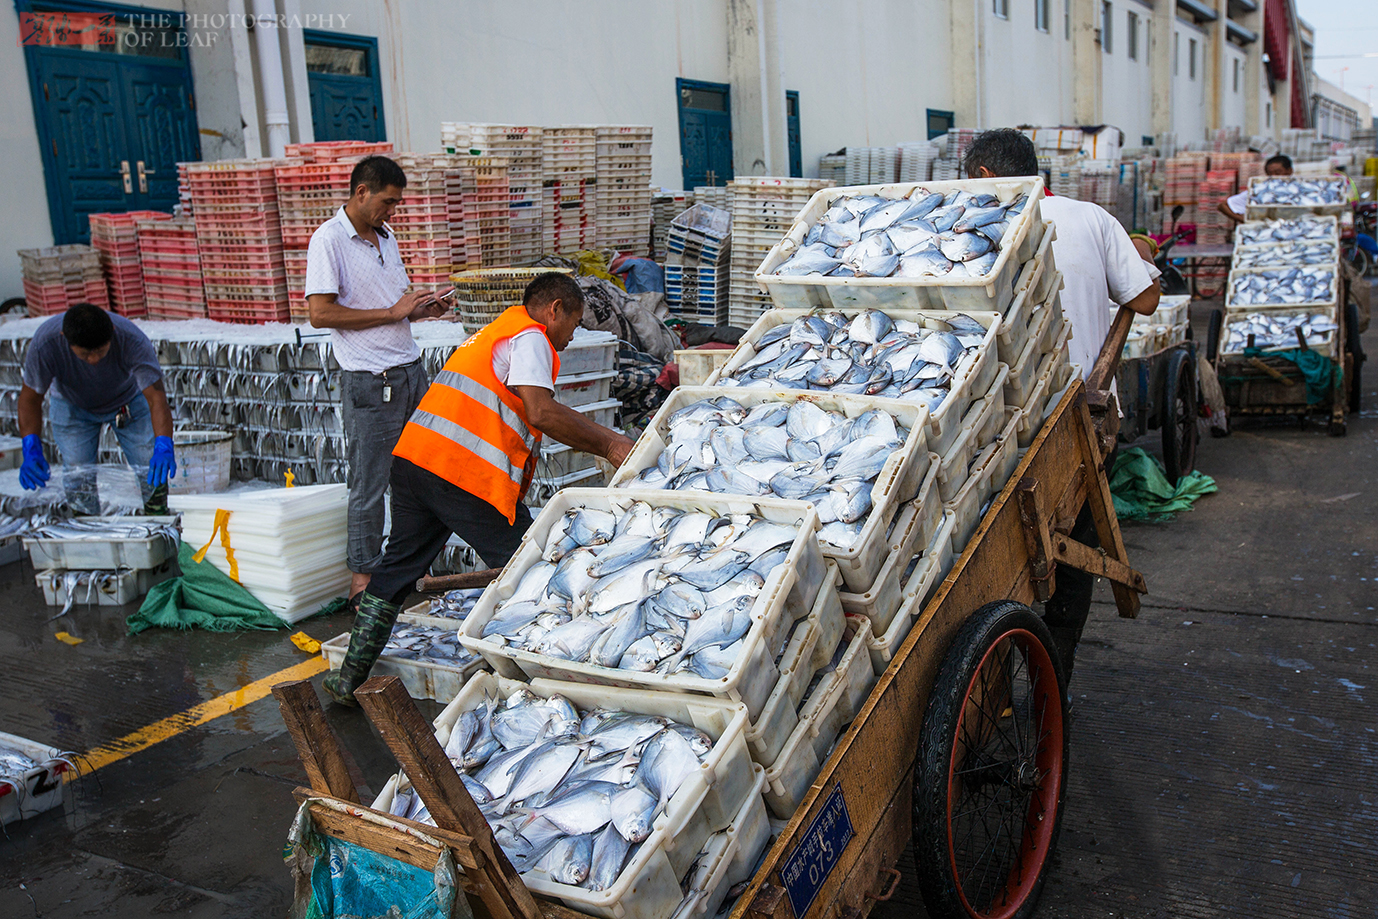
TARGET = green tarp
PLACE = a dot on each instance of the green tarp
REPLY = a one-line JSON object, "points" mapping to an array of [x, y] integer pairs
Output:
{"points": [[204, 597], [1316, 369], [1142, 491]]}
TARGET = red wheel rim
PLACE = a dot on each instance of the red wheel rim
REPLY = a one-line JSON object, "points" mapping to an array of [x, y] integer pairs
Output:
{"points": [[1004, 777]]}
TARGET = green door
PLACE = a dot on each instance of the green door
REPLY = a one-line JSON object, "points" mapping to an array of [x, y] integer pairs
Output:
{"points": [[346, 92]]}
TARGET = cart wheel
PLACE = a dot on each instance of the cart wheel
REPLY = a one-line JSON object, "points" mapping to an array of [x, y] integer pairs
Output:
{"points": [[1179, 416], [1217, 320], [992, 769], [1356, 353]]}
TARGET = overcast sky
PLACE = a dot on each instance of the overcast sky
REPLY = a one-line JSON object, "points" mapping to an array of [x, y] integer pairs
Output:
{"points": [[1345, 27]]}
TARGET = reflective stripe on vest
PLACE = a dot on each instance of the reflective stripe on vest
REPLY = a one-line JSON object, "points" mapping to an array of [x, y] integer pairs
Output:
{"points": [[469, 441]]}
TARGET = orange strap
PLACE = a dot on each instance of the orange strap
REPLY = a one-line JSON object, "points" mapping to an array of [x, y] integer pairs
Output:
{"points": [[222, 526]]}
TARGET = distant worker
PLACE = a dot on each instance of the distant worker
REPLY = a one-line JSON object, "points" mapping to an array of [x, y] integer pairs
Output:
{"points": [[1099, 265], [1235, 206], [98, 370], [356, 286], [468, 454]]}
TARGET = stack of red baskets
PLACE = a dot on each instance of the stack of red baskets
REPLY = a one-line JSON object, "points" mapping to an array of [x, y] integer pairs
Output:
{"points": [[239, 239], [173, 288], [59, 276], [116, 238]]}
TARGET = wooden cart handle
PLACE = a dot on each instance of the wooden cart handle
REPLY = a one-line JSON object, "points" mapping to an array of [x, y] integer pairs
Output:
{"points": [[466, 581], [1108, 361]]}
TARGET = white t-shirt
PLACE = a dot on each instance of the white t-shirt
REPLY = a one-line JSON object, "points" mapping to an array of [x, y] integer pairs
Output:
{"points": [[1238, 203], [525, 359], [1099, 265]]}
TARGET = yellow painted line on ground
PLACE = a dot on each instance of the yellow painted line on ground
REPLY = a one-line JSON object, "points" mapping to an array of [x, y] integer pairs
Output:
{"points": [[197, 715]]}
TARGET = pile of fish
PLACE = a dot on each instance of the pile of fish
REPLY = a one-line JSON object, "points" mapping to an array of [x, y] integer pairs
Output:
{"points": [[1295, 191], [1278, 231], [926, 234], [105, 528], [13, 766], [415, 642], [569, 794], [870, 354], [22, 525], [1270, 331], [1321, 252], [651, 589], [1282, 286], [455, 604], [794, 450]]}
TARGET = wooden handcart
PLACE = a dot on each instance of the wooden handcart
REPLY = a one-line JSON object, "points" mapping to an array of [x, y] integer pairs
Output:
{"points": [[961, 746]]}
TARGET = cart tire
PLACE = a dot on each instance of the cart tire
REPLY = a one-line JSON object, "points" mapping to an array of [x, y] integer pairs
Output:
{"points": [[1357, 357], [1180, 409], [1019, 777], [1217, 320]]}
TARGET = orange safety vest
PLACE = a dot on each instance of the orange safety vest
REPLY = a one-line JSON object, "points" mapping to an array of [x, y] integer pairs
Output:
{"points": [[470, 429]]}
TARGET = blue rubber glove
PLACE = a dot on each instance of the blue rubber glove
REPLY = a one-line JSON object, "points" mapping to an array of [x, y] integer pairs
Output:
{"points": [[163, 466], [34, 473]]}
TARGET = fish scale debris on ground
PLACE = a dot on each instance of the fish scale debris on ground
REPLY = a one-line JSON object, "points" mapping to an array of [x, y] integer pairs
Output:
{"points": [[569, 794], [1282, 286], [1278, 332], [1296, 191], [652, 589], [924, 234], [869, 354], [416, 642], [1321, 252], [1274, 231], [794, 450]]}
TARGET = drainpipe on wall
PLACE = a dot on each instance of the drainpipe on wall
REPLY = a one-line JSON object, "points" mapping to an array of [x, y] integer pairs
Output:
{"points": [[270, 73]]}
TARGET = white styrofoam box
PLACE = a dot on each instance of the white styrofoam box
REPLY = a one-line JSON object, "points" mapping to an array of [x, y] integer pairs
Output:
{"points": [[588, 352], [978, 428], [103, 588], [40, 789], [913, 526], [696, 365], [788, 595], [897, 482], [584, 388], [104, 553], [1014, 326], [423, 679], [992, 292], [710, 800], [730, 855], [920, 582], [811, 647], [972, 378], [831, 706]]}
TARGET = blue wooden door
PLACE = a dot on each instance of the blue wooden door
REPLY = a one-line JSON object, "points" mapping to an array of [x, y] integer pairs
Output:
{"points": [[796, 154], [162, 128], [346, 91], [705, 132]]}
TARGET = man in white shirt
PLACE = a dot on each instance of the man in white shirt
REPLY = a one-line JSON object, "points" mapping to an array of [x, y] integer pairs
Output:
{"points": [[356, 286], [1235, 206], [1099, 265]]}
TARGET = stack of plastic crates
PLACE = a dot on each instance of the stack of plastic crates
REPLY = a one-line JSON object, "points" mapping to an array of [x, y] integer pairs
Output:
{"points": [[58, 276], [523, 148], [569, 192], [763, 210], [1212, 227], [1182, 186], [716, 195], [832, 168], [173, 288], [116, 239], [487, 214], [697, 264], [665, 207], [483, 295], [624, 188], [239, 237], [916, 161], [421, 223], [183, 190]]}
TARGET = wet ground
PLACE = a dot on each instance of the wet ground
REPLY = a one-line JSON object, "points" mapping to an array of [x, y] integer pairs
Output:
{"points": [[1223, 743]]}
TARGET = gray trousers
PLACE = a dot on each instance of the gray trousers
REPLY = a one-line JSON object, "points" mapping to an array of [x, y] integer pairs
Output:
{"points": [[371, 429]]}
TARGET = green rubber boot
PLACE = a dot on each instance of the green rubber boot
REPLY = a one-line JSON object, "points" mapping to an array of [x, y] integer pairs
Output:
{"points": [[372, 628]]}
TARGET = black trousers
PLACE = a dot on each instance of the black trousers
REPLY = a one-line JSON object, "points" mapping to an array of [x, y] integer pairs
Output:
{"points": [[426, 509]]}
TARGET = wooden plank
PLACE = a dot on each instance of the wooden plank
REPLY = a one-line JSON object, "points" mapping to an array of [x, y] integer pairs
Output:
{"points": [[412, 741], [1042, 568], [874, 757], [387, 841], [1103, 509], [874, 868], [1093, 561], [328, 766]]}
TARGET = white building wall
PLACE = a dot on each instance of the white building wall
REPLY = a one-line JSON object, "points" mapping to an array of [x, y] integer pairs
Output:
{"points": [[1233, 88], [1127, 85], [1188, 91], [1022, 68]]}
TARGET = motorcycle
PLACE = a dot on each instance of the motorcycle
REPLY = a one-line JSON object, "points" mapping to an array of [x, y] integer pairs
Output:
{"points": [[1171, 282]]}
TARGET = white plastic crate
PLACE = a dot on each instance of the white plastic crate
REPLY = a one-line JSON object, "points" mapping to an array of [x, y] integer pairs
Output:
{"points": [[996, 463], [831, 706], [1288, 211], [1327, 347], [973, 373], [601, 413], [589, 352], [732, 855], [1014, 327], [203, 462], [788, 595], [920, 584], [696, 365], [423, 679], [103, 553], [1017, 392], [40, 789], [978, 428], [579, 389], [898, 481], [811, 647], [1313, 305], [992, 292], [1024, 370], [1052, 376], [102, 588]]}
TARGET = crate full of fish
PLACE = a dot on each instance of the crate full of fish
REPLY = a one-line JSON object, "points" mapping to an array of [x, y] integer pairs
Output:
{"points": [[1266, 288], [104, 543], [1306, 228], [1284, 254], [982, 423], [729, 857], [941, 360], [1054, 375], [1274, 197], [682, 593], [1277, 330], [100, 588], [989, 471], [31, 778], [423, 652], [920, 579], [937, 246], [1038, 279], [855, 463], [601, 798]]}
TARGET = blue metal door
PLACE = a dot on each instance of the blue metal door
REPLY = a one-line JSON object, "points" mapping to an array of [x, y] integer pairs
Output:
{"points": [[796, 155], [162, 131], [346, 92], [705, 132]]}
